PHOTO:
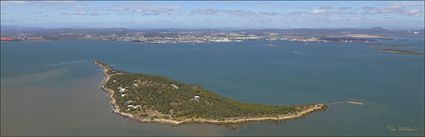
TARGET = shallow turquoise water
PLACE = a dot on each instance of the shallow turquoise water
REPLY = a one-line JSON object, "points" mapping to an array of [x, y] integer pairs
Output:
{"points": [[51, 88]]}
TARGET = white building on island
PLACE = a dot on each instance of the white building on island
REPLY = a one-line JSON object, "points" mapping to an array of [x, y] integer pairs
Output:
{"points": [[196, 97], [121, 89], [174, 86], [134, 106]]}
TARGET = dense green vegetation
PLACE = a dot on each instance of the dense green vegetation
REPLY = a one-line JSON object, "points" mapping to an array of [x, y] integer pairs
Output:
{"points": [[159, 97]]}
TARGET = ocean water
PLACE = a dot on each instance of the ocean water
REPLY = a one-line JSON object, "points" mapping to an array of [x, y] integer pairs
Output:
{"points": [[52, 88]]}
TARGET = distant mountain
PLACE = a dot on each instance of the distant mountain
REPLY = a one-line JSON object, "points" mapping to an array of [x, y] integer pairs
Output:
{"points": [[378, 30], [5, 29]]}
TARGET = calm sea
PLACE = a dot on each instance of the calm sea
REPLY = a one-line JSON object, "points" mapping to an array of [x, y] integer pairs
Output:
{"points": [[52, 88]]}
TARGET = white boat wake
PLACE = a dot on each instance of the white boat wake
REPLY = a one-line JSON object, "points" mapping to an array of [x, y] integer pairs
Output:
{"points": [[299, 53], [66, 63], [345, 102]]}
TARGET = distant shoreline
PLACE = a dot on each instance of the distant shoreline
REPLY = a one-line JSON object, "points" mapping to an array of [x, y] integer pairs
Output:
{"points": [[397, 51], [116, 109]]}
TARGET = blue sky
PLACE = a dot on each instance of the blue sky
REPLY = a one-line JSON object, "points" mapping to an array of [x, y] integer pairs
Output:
{"points": [[214, 14]]}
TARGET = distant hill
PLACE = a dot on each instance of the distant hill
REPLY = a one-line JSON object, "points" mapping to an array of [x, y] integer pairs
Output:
{"points": [[12, 29]]}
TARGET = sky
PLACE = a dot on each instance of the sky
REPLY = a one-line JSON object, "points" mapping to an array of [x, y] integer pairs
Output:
{"points": [[214, 14]]}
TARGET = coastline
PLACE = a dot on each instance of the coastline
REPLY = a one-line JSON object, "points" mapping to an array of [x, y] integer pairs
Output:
{"points": [[398, 51], [116, 109]]}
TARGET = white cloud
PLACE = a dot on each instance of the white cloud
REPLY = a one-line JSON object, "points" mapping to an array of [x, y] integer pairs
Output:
{"points": [[145, 9], [7, 3], [396, 8], [231, 12], [322, 10], [414, 12]]}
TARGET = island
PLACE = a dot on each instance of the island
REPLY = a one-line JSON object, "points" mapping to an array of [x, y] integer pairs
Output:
{"points": [[398, 51], [385, 45], [152, 98]]}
